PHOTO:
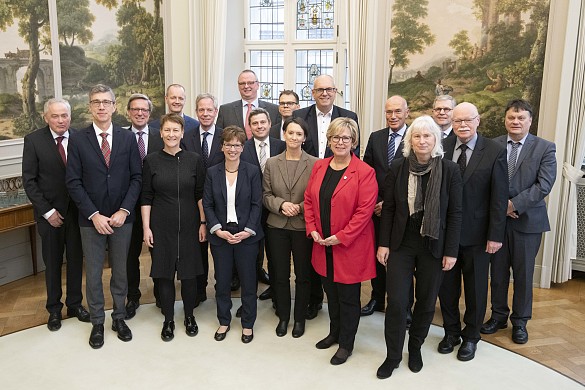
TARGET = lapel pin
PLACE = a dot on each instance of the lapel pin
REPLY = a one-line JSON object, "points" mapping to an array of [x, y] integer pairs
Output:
{"points": [[344, 177]]}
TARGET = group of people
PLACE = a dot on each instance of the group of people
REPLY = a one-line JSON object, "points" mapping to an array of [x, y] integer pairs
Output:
{"points": [[433, 202]]}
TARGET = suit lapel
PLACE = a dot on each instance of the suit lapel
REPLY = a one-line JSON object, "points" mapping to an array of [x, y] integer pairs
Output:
{"points": [[237, 107], [116, 144], [54, 151], [526, 150], [242, 177], [90, 134], [281, 162], [215, 144], [347, 176], [301, 168], [313, 127], [476, 157]]}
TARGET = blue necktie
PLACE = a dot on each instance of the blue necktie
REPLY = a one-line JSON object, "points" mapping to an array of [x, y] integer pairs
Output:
{"points": [[391, 148]]}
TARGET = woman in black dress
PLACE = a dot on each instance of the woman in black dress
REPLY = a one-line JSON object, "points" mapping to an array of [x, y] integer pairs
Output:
{"points": [[173, 221]]}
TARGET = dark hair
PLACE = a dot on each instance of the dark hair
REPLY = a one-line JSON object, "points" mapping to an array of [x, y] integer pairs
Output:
{"points": [[232, 132], [298, 121], [289, 92], [519, 105], [172, 117], [258, 111]]}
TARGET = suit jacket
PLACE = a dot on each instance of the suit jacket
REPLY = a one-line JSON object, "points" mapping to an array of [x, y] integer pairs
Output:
{"points": [[190, 124], [249, 153], [376, 156], [279, 187], [155, 141], [230, 114], [485, 191], [532, 181], [192, 143], [248, 200], [275, 131], [43, 174], [95, 187], [352, 206], [395, 212], [309, 115]]}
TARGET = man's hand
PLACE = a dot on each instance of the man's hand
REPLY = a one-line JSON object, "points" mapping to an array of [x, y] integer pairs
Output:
{"points": [[56, 219], [492, 247], [118, 218], [102, 224], [378, 208]]}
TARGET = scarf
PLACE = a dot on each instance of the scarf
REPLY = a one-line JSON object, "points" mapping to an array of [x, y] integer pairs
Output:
{"points": [[431, 203]]}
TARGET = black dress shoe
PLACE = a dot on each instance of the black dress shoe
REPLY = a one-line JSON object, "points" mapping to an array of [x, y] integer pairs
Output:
{"points": [[168, 329], [371, 307], [79, 312], [386, 369], [54, 322], [281, 328], [96, 338], [340, 356], [239, 312], [131, 307], [235, 286], [263, 276], [326, 342], [313, 310], [408, 317], [492, 326], [191, 327], [415, 362], [120, 327], [448, 343], [519, 334], [298, 329], [466, 351], [267, 294], [247, 338], [221, 336]]}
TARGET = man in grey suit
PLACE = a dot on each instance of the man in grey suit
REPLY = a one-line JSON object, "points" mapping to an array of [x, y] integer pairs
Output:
{"points": [[483, 169], [236, 113], [532, 169]]}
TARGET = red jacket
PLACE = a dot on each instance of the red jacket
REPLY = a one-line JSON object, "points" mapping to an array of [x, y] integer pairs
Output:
{"points": [[352, 206]]}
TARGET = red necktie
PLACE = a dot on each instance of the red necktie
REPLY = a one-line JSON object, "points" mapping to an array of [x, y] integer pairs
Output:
{"points": [[247, 125], [61, 149], [106, 148]]}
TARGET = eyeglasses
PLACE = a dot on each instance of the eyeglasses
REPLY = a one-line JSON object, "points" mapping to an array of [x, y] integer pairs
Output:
{"points": [[287, 104], [246, 83], [345, 139], [137, 110], [446, 110], [105, 103], [233, 146], [459, 122], [319, 91]]}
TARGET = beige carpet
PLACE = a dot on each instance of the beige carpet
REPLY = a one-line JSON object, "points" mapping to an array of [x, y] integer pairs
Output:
{"points": [[38, 358]]}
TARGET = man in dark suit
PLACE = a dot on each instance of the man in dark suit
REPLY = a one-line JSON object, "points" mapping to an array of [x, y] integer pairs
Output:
{"points": [[288, 101], [236, 113], [318, 117], [485, 192], [175, 99], [384, 146], [532, 169], [256, 151], [148, 140], [443, 114], [104, 178], [205, 140], [43, 171]]}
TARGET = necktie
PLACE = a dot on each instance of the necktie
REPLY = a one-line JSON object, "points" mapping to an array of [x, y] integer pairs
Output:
{"points": [[141, 146], [262, 155], [106, 148], [391, 148], [246, 125], [61, 149], [462, 160], [205, 149], [512, 159]]}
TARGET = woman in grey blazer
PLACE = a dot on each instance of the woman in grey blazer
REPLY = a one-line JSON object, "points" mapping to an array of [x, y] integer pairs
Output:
{"points": [[285, 179]]}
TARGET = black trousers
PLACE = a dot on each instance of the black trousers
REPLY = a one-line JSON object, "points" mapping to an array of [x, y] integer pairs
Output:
{"points": [[54, 241], [133, 260], [343, 302], [412, 258], [282, 242], [166, 289], [473, 265], [518, 252], [202, 279]]}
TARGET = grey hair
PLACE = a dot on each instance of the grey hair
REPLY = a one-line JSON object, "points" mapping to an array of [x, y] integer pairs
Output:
{"points": [[205, 96], [427, 123], [101, 88], [52, 101]]}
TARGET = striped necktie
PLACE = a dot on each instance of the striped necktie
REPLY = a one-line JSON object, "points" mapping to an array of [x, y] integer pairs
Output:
{"points": [[391, 148], [106, 148], [512, 159]]}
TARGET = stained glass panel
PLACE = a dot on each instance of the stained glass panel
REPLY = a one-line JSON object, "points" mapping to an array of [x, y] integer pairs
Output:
{"points": [[315, 19]]}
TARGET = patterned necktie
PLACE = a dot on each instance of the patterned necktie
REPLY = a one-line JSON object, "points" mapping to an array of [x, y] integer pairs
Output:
{"points": [[262, 155], [106, 148], [391, 148], [512, 159], [61, 149], [462, 160], [247, 125], [141, 146], [205, 149]]}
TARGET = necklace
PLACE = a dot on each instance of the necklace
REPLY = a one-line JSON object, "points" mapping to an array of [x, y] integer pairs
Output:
{"points": [[231, 171]]}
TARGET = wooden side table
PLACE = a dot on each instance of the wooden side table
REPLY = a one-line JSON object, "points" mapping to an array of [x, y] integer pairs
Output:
{"points": [[20, 216]]}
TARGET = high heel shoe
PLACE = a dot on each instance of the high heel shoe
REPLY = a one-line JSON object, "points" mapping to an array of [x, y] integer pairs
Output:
{"points": [[167, 333], [221, 336]]}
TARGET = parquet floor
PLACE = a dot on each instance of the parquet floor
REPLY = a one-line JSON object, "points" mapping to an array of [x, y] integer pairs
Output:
{"points": [[557, 330]]}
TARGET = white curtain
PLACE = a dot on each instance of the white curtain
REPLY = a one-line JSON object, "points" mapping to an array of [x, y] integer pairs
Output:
{"points": [[565, 247], [368, 52]]}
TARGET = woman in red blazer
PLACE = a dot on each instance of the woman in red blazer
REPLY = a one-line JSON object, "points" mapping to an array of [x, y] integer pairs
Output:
{"points": [[339, 203]]}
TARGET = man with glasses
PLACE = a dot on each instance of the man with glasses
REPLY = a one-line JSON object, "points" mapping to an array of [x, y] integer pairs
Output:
{"points": [[148, 140], [104, 178], [443, 114], [485, 196], [236, 113], [288, 101], [318, 117], [175, 99]]}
